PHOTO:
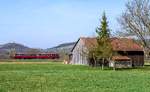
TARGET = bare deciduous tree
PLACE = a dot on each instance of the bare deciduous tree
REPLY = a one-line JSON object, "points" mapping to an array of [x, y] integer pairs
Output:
{"points": [[136, 20]]}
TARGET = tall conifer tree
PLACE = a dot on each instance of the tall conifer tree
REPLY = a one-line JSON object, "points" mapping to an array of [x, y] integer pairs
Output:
{"points": [[103, 50]]}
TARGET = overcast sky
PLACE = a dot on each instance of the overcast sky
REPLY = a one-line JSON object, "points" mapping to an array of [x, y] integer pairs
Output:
{"points": [[46, 23]]}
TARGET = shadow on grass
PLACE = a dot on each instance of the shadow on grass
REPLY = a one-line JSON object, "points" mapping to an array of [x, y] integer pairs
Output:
{"points": [[142, 68]]}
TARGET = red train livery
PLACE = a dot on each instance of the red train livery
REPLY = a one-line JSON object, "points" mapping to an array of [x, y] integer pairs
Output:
{"points": [[36, 56]]}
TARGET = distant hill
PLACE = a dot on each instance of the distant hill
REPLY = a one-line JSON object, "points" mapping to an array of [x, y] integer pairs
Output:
{"points": [[65, 47], [5, 49], [16, 46]]}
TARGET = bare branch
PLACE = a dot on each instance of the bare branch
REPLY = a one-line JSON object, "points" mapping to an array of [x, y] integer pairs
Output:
{"points": [[136, 20]]}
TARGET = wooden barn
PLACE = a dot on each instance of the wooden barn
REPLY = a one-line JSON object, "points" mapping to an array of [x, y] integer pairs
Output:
{"points": [[128, 51]]}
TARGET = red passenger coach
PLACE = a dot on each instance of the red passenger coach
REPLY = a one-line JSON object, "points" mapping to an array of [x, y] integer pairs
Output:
{"points": [[47, 56], [37, 56]]}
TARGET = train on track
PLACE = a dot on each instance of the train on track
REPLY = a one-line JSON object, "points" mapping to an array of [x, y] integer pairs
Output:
{"points": [[36, 56]]}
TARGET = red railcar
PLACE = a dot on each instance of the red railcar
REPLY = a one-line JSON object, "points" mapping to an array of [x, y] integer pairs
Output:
{"points": [[37, 56]]}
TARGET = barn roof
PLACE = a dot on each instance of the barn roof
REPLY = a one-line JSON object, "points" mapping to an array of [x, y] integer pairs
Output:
{"points": [[118, 44], [125, 44]]}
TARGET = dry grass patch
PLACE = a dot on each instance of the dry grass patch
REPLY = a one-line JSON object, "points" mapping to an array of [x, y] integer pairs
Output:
{"points": [[25, 62]]}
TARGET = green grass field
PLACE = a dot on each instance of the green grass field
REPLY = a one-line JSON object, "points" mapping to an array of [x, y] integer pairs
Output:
{"points": [[56, 77]]}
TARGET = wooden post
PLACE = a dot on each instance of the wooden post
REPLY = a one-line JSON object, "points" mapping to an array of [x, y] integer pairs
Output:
{"points": [[114, 68]]}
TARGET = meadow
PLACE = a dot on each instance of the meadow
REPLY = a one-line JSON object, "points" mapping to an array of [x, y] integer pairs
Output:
{"points": [[57, 77]]}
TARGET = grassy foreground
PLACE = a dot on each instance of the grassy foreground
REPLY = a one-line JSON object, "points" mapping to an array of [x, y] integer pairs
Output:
{"points": [[56, 77]]}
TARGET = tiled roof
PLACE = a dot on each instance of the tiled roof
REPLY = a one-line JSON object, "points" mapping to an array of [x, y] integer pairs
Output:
{"points": [[118, 44], [125, 44]]}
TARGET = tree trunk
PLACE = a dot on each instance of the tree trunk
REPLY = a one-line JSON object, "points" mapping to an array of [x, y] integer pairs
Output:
{"points": [[94, 61], [103, 64], [146, 52]]}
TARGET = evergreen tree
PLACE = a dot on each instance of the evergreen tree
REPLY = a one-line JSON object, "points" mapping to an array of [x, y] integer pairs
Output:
{"points": [[103, 31], [103, 40], [103, 49]]}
